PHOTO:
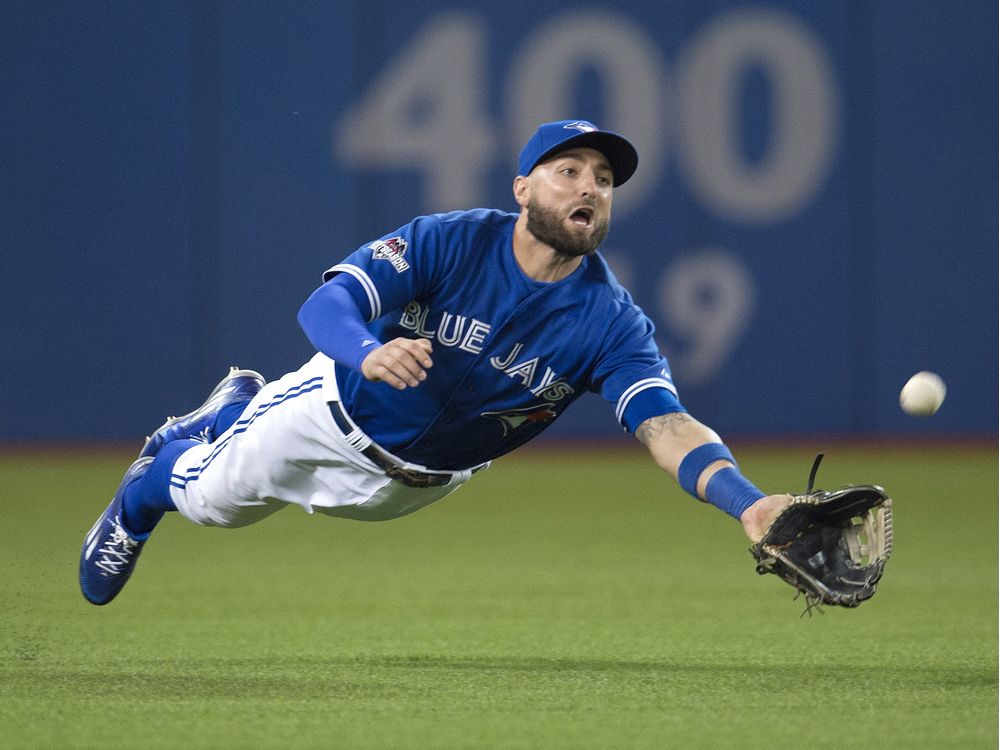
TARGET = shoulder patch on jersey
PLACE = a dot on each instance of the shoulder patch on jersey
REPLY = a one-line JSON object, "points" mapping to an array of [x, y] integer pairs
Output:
{"points": [[391, 250]]}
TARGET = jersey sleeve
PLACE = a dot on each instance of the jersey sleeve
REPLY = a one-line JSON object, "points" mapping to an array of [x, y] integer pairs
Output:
{"points": [[396, 268], [632, 375]]}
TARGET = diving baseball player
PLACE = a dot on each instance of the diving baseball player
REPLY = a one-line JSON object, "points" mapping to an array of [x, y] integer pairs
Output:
{"points": [[440, 346]]}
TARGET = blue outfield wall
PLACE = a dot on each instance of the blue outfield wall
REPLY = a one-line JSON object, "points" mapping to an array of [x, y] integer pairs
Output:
{"points": [[814, 218]]}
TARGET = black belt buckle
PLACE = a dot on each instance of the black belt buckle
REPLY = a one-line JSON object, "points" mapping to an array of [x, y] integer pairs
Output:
{"points": [[412, 478]]}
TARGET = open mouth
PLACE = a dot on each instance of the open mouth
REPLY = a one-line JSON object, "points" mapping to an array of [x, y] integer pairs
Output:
{"points": [[583, 216]]}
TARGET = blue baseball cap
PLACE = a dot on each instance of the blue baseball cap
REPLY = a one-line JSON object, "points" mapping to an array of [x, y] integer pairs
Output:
{"points": [[553, 137]]}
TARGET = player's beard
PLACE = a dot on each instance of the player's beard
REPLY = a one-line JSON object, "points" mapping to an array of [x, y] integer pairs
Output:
{"points": [[547, 227]]}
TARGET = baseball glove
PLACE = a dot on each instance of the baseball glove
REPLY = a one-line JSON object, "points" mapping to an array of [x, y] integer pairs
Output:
{"points": [[831, 546]]}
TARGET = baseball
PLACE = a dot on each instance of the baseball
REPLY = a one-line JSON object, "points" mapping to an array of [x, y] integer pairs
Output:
{"points": [[923, 394]]}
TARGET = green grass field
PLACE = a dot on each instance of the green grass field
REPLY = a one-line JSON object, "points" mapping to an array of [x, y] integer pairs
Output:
{"points": [[557, 601]]}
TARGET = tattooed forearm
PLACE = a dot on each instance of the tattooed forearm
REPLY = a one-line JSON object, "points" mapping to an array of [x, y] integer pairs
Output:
{"points": [[654, 427]]}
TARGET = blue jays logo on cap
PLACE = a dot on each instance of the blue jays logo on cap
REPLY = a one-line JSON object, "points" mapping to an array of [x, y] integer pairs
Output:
{"points": [[553, 137]]}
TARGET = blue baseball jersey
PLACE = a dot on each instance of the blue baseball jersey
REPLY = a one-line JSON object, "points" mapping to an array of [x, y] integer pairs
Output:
{"points": [[510, 353]]}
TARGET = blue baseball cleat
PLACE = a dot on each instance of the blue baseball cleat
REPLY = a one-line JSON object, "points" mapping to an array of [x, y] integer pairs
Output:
{"points": [[239, 386], [109, 551]]}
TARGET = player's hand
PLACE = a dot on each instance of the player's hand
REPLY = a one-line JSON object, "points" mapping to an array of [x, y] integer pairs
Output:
{"points": [[758, 518], [401, 363]]}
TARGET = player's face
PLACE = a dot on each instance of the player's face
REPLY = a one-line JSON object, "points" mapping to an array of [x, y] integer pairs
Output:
{"points": [[569, 208]]}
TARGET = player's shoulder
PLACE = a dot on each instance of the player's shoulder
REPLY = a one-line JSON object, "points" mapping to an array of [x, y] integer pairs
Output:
{"points": [[599, 277], [476, 219], [458, 233], [609, 301]]}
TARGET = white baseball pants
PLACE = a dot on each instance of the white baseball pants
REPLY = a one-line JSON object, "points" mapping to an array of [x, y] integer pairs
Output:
{"points": [[285, 449]]}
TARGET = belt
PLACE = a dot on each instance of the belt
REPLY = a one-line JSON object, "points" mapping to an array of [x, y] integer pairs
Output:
{"points": [[391, 467]]}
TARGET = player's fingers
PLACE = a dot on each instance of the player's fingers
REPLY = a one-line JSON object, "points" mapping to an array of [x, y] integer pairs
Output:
{"points": [[419, 349], [383, 365], [387, 372], [401, 363]]}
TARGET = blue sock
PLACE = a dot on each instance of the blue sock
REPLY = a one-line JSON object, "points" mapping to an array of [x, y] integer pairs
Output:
{"points": [[148, 497], [227, 415]]}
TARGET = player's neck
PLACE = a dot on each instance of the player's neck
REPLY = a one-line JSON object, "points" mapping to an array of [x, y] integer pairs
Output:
{"points": [[539, 261]]}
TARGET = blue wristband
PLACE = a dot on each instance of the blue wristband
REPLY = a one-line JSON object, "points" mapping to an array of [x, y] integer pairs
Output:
{"points": [[730, 491], [695, 462]]}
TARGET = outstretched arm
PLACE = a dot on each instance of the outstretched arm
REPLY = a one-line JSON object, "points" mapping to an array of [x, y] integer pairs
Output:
{"points": [[694, 455]]}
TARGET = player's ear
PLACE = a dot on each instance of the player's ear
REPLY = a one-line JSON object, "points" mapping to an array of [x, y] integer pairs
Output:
{"points": [[522, 190]]}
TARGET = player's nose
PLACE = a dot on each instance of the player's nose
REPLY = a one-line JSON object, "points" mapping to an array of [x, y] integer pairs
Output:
{"points": [[588, 182]]}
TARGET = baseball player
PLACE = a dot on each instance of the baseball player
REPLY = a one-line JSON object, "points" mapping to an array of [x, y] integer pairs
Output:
{"points": [[440, 346]]}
